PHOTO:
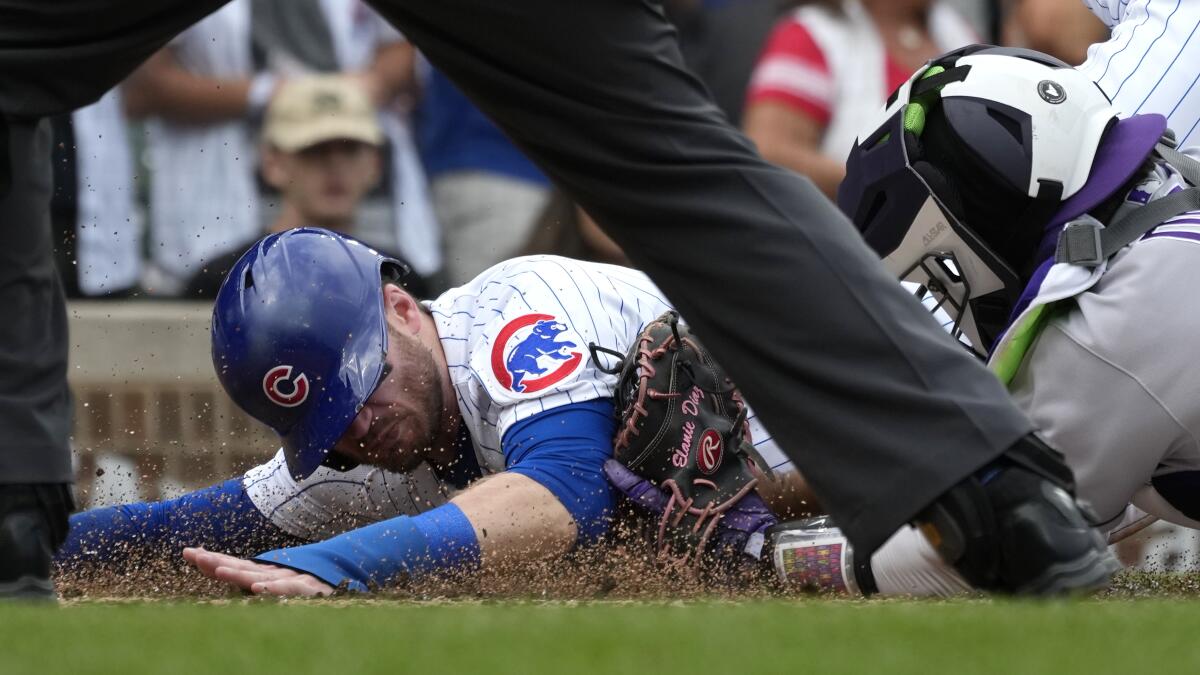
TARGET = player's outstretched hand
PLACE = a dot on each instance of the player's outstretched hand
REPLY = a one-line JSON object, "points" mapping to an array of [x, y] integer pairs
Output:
{"points": [[255, 577]]}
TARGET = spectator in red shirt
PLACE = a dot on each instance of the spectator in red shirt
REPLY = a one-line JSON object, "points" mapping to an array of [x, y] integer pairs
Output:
{"points": [[828, 67]]}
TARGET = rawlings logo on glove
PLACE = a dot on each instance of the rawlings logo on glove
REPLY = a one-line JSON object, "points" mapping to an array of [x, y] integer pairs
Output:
{"points": [[708, 460]]}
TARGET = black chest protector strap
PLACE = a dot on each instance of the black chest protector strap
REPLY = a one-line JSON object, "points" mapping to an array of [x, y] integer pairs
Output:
{"points": [[1085, 241]]}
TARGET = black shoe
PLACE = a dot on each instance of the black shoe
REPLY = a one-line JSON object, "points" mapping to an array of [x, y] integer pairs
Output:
{"points": [[1016, 528], [33, 524]]}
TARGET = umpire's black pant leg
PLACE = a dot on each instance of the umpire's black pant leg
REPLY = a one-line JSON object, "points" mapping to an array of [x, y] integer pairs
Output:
{"points": [[59, 55], [876, 405], [35, 409]]}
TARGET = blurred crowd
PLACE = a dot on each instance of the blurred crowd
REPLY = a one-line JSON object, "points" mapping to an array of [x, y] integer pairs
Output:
{"points": [[273, 114]]}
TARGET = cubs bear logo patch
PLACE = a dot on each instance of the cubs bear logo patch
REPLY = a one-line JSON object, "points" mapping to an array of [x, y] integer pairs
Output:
{"points": [[533, 352]]}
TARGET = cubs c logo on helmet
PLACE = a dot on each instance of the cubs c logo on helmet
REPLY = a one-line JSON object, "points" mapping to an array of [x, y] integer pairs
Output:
{"points": [[532, 352], [292, 393]]}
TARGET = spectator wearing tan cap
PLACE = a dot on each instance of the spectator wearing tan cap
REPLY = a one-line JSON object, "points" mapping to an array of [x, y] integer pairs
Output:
{"points": [[203, 96], [321, 147], [322, 150]]}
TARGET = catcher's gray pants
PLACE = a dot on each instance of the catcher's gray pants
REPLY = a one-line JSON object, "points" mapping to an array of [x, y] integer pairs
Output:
{"points": [[878, 407]]}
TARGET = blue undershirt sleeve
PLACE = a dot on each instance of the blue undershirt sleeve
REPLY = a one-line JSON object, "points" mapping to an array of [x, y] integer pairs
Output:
{"points": [[564, 449], [220, 518], [440, 539]]}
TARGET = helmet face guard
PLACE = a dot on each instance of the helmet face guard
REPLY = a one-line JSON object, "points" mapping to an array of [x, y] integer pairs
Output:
{"points": [[299, 336], [923, 243], [899, 199]]}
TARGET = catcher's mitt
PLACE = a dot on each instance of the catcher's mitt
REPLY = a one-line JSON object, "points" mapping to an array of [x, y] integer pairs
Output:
{"points": [[683, 426]]}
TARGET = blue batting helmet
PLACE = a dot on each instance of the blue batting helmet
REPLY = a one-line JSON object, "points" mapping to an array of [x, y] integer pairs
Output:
{"points": [[299, 336]]}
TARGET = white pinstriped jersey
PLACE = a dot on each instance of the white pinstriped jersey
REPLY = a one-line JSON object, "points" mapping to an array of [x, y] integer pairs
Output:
{"points": [[516, 343], [1149, 65], [516, 339]]}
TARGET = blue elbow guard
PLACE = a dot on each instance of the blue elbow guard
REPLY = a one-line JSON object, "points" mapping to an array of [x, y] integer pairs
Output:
{"points": [[221, 518], [441, 539]]}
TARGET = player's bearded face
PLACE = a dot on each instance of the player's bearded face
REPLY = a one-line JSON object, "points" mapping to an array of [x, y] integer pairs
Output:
{"points": [[399, 423]]}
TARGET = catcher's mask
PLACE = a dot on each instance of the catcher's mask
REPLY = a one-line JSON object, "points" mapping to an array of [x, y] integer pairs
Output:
{"points": [[299, 335], [974, 155]]}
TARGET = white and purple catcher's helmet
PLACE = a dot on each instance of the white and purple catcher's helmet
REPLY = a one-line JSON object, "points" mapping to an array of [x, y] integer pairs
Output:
{"points": [[972, 157]]}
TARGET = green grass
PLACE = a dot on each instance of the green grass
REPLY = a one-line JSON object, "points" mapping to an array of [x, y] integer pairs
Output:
{"points": [[342, 637]]}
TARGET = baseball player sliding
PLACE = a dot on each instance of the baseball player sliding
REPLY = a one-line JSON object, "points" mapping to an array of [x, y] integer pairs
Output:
{"points": [[417, 401]]}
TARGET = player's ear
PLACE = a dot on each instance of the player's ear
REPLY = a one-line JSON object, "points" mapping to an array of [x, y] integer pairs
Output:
{"points": [[403, 310]]}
